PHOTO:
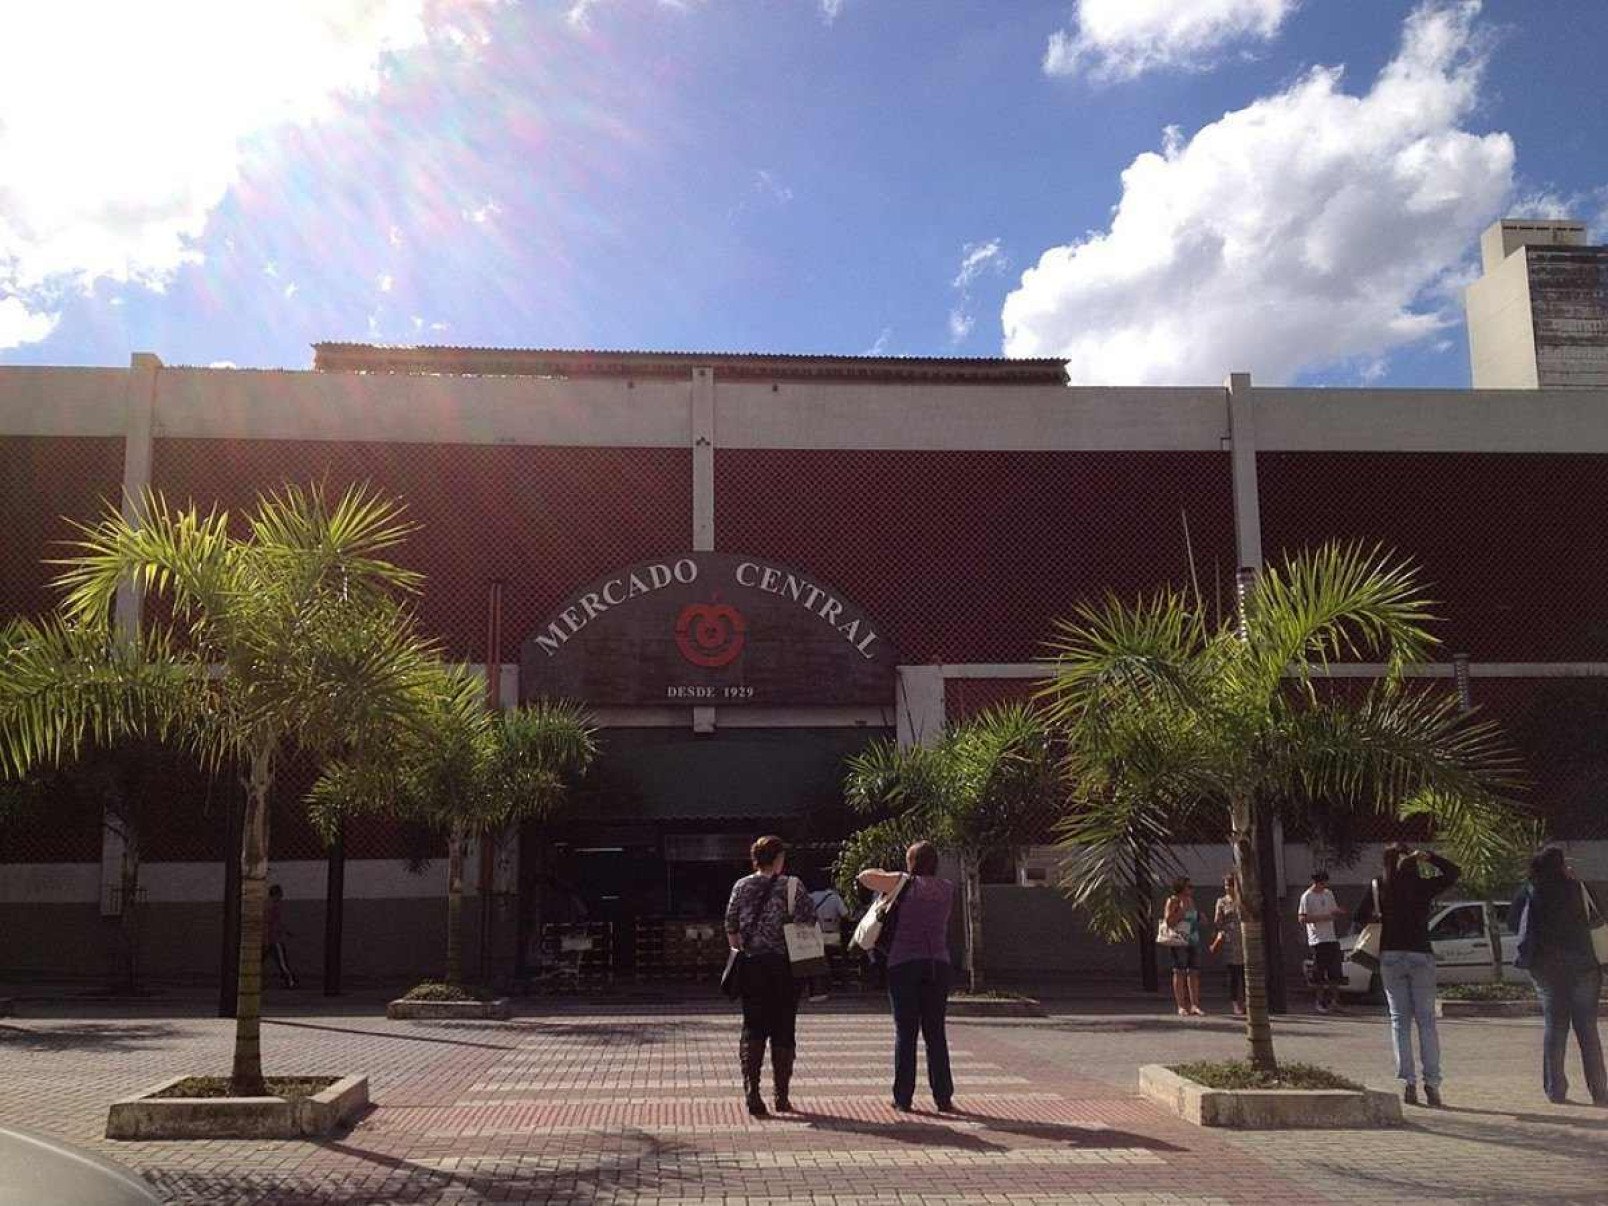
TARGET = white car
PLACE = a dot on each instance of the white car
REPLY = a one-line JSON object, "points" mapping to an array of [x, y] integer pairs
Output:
{"points": [[1459, 934], [37, 1170]]}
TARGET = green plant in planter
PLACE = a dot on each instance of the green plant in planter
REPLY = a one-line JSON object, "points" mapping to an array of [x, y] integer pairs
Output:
{"points": [[464, 769], [292, 635], [1240, 1074], [440, 990], [1174, 720]]}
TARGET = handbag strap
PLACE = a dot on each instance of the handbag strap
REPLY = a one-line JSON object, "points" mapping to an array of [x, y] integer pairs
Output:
{"points": [[753, 918], [1591, 904], [792, 896]]}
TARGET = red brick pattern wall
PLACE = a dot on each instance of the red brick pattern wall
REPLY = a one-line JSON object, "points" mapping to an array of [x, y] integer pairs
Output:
{"points": [[43, 483], [1514, 546], [541, 519], [971, 556]]}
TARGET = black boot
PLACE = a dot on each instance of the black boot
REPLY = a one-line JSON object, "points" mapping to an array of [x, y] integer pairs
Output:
{"points": [[753, 1060], [782, 1075]]}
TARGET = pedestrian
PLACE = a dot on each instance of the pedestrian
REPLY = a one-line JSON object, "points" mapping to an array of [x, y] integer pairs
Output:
{"points": [[919, 973], [1230, 941], [273, 935], [830, 910], [1410, 882], [1319, 911], [755, 914], [1552, 914], [1183, 919]]}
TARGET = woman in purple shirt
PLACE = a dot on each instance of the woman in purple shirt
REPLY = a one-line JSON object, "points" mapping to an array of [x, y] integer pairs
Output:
{"points": [[918, 972]]}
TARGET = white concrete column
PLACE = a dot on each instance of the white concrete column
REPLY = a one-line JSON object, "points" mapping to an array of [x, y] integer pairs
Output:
{"points": [[1247, 506], [139, 406], [919, 702], [703, 459]]}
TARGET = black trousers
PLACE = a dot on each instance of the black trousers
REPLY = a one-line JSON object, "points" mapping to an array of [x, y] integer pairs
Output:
{"points": [[920, 992], [770, 1001]]}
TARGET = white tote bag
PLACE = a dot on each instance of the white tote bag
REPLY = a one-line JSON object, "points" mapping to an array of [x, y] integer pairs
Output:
{"points": [[1366, 952], [1599, 927], [869, 932], [806, 952]]}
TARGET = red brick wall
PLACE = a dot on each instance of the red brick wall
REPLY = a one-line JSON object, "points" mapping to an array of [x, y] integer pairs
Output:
{"points": [[970, 556], [43, 482], [1514, 546], [541, 519]]}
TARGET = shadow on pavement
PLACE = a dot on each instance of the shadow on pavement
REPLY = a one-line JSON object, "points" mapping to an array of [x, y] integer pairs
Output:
{"points": [[88, 1036], [393, 1035]]}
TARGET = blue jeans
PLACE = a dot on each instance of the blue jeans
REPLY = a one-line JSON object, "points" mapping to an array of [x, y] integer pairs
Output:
{"points": [[919, 989], [1409, 980], [1570, 998]]}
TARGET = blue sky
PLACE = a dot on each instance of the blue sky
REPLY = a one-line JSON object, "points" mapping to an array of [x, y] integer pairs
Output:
{"points": [[1158, 190]]}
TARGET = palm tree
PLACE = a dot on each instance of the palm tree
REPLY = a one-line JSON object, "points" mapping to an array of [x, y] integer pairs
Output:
{"points": [[292, 636], [1174, 722], [467, 770], [974, 792]]}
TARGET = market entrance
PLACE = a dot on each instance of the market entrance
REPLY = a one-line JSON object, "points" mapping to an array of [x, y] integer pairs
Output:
{"points": [[732, 689], [640, 867]]}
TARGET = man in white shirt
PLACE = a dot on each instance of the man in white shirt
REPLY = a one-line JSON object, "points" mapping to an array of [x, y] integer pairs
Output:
{"points": [[829, 914], [1318, 911]]}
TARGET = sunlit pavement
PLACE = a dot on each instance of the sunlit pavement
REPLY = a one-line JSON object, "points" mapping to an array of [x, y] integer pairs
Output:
{"points": [[632, 1103]]}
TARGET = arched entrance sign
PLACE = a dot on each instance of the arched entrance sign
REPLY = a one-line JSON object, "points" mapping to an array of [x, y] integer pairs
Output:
{"points": [[709, 629]]}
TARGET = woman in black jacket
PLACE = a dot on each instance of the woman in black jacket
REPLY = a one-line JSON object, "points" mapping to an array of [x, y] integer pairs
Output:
{"points": [[1407, 889], [1552, 917]]}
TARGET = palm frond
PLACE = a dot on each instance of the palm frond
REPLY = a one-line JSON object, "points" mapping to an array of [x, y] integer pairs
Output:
{"points": [[1338, 602]]}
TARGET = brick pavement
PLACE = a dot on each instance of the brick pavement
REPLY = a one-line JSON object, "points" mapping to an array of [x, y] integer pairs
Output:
{"points": [[627, 1107]]}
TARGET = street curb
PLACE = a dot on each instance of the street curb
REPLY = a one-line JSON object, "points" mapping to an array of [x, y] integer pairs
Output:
{"points": [[1445, 1008], [148, 1117], [994, 1007], [1267, 1109]]}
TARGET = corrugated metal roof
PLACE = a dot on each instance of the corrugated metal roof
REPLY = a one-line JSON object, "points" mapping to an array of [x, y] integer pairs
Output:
{"points": [[747, 366]]}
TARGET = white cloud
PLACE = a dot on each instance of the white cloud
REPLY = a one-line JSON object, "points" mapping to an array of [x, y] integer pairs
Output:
{"points": [[384, 282], [482, 213], [21, 324], [1121, 39], [1308, 228], [830, 10], [122, 125], [974, 258], [768, 184], [880, 347], [579, 13]]}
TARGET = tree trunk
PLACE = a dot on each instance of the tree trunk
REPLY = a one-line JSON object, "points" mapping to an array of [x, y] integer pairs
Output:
{"points": [[129, 919], [1493, 931], [1258, 1027], [972, 910], [229, 940], [334, 910], [455, 843], [246, 1079], [1143, 887]]}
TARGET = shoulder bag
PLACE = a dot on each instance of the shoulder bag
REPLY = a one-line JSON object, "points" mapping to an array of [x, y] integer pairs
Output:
{"points": [[875, 930], [806, 946], [1599, 927], [731, 979], [1366, 951]]}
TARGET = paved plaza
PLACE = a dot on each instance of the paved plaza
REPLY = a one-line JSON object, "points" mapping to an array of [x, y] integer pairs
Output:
{"points": [[636, 1102]]}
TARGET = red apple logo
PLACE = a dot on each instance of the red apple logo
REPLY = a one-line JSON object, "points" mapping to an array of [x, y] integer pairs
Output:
{"points": [[710, 634]]}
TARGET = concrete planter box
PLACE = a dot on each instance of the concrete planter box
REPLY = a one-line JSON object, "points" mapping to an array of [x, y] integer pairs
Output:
{"points": [[496, 1010], [1268, 1109], [962, 1006], [1445, 1008], [148, 1117]]}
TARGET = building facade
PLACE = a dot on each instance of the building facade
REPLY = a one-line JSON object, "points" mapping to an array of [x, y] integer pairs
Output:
{"points": [[751, 566]]}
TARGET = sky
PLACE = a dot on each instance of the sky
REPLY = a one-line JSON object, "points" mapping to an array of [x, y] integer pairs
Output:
{"points": [[1156, 191]]}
